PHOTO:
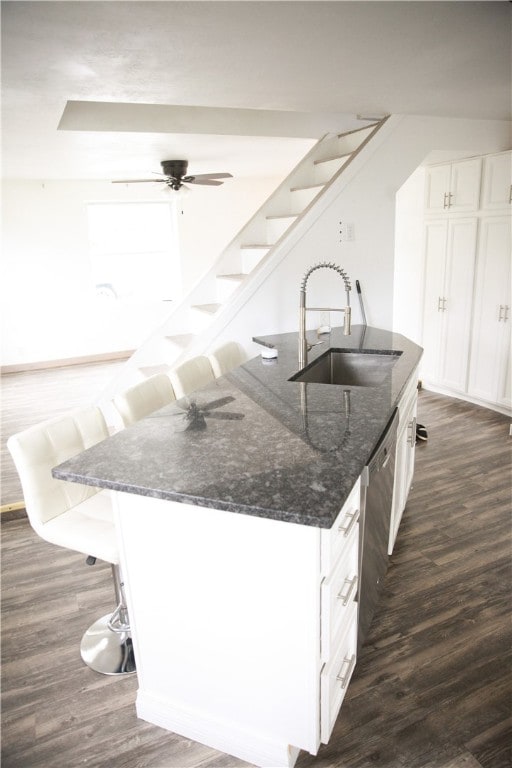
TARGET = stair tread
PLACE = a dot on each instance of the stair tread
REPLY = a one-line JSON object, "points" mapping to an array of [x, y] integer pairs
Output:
{"points": [[356, 130], [210, 308], [182, 339], [318, 185], [283, 216], [256, 245], [333, 157], [234, 276]]}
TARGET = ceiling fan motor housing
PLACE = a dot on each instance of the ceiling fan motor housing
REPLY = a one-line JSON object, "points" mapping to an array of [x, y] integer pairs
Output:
{"points": [[175, 168]]}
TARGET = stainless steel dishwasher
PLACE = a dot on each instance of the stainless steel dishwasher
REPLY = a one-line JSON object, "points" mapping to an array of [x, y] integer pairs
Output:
{"points": [[378, 478]]}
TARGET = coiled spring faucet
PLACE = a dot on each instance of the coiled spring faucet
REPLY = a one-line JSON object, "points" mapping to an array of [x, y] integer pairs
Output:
{"points": [[304, 346]]}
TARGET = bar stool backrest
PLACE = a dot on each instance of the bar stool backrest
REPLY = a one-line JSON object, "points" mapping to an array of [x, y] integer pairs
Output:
{"points": [[226, 357], [145, 397], [38, 449], [191, 375]]}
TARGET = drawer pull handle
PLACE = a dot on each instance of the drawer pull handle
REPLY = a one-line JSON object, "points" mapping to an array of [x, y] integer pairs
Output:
{"points": [[354, 517], [346, 677], [411, 439], [352, 584]]}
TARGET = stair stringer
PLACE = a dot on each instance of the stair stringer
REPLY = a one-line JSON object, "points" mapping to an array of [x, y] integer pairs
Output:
{"points": [[153, 354]]}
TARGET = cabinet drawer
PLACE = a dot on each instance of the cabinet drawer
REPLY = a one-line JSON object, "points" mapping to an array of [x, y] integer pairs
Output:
{"points": [[339, 593], [336, 676], [334, 540]]}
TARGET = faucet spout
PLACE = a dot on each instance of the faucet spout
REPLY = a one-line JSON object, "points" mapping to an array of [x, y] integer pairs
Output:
{"points": [[304, 345]]}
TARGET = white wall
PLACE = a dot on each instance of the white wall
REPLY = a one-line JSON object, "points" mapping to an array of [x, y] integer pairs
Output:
{"points": [[408, 268], [49, 311]]}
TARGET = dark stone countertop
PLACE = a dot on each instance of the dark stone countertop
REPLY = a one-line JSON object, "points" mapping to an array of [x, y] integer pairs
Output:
{"points": [[254, 442]]}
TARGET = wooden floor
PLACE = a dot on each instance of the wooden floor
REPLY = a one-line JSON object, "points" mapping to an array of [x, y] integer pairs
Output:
{"points": [[432, 688]]}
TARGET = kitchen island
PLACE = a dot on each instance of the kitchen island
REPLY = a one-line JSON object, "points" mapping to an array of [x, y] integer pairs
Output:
{"points": [[238, 517]]}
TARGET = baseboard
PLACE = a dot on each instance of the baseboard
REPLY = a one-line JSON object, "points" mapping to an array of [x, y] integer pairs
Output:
{"points": [[428, 387], [42, 365], [13, 511], [226, 737]]}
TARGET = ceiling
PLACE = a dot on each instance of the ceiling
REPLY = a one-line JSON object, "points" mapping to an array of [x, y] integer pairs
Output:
{"points": [[236, 86]]}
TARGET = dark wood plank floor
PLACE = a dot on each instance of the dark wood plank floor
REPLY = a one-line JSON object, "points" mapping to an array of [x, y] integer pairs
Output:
{"points": [[432, 688]]}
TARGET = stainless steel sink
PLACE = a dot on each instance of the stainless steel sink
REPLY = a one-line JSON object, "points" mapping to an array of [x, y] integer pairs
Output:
{"points": [[349, 368]]}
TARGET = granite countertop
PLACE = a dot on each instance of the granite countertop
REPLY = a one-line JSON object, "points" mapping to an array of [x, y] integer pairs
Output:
{"points": [[254, 442]]}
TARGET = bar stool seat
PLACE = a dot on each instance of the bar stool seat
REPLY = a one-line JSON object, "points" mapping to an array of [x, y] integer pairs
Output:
{"points": [[76, 517]]}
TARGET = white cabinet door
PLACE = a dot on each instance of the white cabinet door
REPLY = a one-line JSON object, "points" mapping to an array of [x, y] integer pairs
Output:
{"points": [[449, 269], [489, 377], [435, 257], [497, 182], [437, 187], [457, 303], [453, 187], [464, 192]]}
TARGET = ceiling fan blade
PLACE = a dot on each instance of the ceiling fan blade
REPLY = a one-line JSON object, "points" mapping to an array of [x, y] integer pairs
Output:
{"points": [[205, 182], [225, 415], [217, 403], [136, 181], [213, 176]]}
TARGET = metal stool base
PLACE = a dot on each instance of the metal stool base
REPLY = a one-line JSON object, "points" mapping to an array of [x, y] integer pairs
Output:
{"points": [[107, 651]]}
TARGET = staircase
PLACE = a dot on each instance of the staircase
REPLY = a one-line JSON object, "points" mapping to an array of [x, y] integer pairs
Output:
{"points": [[190, 328]]}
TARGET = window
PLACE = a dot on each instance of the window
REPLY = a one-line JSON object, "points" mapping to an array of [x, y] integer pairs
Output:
{"points": [[134, 251]]}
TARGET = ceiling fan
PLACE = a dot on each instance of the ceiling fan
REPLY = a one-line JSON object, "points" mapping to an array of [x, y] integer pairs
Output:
{"points": [[175, 174]]}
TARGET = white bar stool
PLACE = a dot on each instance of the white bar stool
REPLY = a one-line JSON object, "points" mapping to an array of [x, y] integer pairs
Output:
{"points": [[143, 398], [191, 375], [226, 357], [76, 517]]}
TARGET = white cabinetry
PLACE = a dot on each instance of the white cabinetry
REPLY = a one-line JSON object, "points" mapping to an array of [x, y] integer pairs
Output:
{"points": [[340, 562], [450, 247], [466, 310], [489, 377], [405, 452], [244, 628], [497, 182], [453, 187]]}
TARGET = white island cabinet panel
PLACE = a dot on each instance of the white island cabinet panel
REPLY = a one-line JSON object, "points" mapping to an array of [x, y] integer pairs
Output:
{"points": [[225, 613]]}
